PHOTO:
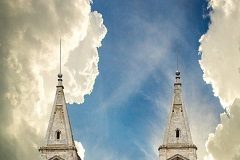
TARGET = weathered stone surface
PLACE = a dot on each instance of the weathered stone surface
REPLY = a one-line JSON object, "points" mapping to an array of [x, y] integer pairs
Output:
{"points": [[59, 141], [177, 144]]}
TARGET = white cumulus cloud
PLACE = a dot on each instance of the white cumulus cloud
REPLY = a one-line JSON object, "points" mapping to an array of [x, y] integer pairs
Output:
{"points": [[80, 149], [220, 62], [225, 143], [29, 50], [220, 48]]}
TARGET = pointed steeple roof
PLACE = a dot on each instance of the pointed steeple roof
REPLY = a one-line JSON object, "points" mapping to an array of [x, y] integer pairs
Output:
{"points": [[177, 131], [59, 120], [59, 127], [59, 138], [59, 141]]}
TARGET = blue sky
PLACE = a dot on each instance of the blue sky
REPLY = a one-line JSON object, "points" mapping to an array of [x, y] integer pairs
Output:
{"points": [[125, 115]]}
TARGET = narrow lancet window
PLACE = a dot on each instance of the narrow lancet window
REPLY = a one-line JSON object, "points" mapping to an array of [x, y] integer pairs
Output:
{"points": [[177, 133], [58, 135]]}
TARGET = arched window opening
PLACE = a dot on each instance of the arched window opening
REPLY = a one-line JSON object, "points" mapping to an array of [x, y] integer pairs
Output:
{"points": [[177, 133], [58, 135]]}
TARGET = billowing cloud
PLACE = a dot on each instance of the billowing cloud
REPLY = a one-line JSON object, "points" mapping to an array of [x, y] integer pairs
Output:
{"points": [[80, 149], [225, 144], [220, 48], [29, 50], [220, 62]]}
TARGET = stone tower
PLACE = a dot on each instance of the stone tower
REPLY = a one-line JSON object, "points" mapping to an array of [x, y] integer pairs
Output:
{"points": [[59, 144], [177, 143]]}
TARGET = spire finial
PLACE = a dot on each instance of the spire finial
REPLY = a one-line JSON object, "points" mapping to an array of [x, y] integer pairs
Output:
{"points": [[60, 65], [60, 56], [177, 61], [177, 71]]}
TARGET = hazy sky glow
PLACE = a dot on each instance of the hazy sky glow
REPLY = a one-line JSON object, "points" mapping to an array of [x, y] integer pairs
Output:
{"points": [[125, 116]]}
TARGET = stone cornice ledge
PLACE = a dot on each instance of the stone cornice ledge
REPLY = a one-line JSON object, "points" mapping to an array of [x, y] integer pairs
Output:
{"points": [[59, 147], [177, 146]]}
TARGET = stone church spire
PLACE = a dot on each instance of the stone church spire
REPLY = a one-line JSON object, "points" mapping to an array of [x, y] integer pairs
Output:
{"points": [[59, 143], [177, 144]]}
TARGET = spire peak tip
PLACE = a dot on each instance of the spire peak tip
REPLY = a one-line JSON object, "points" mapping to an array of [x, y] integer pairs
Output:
{"points": [[177, 73], [60, 75], [60, 60]]}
